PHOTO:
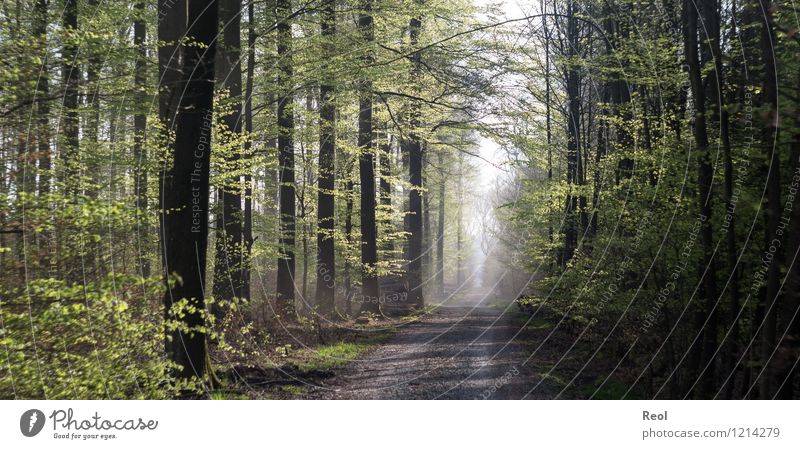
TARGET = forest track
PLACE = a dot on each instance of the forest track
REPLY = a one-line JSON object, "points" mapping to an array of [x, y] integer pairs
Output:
{"points": [[465, 349]]}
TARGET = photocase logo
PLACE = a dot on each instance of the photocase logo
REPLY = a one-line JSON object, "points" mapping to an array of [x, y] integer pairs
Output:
{"points": [[31, 422]]}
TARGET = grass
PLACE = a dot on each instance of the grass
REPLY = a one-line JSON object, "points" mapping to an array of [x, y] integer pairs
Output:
{"points": [[337, 355]]}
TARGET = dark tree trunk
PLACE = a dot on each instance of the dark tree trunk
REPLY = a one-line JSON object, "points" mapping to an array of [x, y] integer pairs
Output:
{"points": [[326, 259], [286, 261], [90, 159], [247, 232], [707, 322], [348, 235], [427, 232], [716, 83], [415, 158], [440, 229], [43, 103], [370, 289], [70, 175], [772, 211], [228, 280], [139, 129], [786, 366], [385, 187], [573, 140], [186, 188]]}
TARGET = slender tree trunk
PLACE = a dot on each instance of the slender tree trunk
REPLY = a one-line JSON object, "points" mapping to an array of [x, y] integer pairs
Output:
{"points": [[43, 103], [707, 272], [459, 224], [186, 189], [427, 232], [228, 280], [548, 114], [771, 300], [385, 187], [370, 288], [415, 158], [573, 139], [91, 130], [326, 258], [348, 235], [440, 229], [286, 261], [716, 82], [70, 175], [247, 232], [139, 129]]}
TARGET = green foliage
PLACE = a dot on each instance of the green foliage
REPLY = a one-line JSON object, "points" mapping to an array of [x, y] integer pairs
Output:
{"points": [[94, 340]]}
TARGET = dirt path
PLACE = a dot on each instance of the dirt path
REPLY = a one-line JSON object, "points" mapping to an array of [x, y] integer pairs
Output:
{"points": [[465, 350]]}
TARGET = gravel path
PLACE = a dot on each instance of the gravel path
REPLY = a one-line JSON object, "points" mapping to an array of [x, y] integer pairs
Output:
{"points": [[463, 351]]}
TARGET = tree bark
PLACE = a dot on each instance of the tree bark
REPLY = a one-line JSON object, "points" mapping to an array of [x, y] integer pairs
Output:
{"points": [[139, 129], [370, 289], [286, 260], [70, 175], [228, 273], [415, 158], [185, 188], [43, 103], [772, 211], [326, 257], [440, 229], [247, 232], [707, 322]]}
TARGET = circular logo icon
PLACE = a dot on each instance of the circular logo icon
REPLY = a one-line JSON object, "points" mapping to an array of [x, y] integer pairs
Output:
{"points": [[31, 422]]}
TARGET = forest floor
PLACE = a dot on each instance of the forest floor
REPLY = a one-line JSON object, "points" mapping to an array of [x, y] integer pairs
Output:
{"points": [[471, 346]]}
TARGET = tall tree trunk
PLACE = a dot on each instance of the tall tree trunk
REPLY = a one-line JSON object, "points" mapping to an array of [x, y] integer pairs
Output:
{"points": [[706, 322], [440, 229], [415, 158], [548, 114], [70, 174], [348, 235], [385, 186], [286, 260], [185, 189], [716, 82], [139, 129], [43, 103], [247, 232], [370, 289], [228, 273], [772, 211], [326, 258], [427, 232], [573, 139], [789, 346], [91, 130], [459, 223]]}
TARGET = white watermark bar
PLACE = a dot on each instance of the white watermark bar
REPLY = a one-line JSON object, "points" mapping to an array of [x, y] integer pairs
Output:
{"points": [[399, 424]]}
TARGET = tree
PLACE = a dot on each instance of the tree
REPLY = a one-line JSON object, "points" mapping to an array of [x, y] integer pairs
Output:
{"points": [[286, 260], [139, 130], [707, 321], [185, 187], [71, 73], [228, 274], [326, 261], [370, 289], [415, 158]]}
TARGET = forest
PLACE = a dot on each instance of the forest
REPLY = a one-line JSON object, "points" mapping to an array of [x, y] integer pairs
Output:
{"points": [[399, 199]]}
